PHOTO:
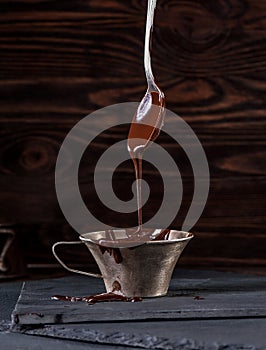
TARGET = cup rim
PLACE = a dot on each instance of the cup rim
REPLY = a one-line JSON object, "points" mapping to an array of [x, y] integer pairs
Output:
{"points": [[187, 238]]}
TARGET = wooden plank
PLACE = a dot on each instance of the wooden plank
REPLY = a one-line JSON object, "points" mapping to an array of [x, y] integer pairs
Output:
{"points": [[225, 295], [76, 60], [64, 32], [237, 173], [212, 101], [62, 61]]}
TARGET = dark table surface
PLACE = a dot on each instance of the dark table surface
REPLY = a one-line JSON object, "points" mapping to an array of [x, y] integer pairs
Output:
{"points": [[247, 332]]}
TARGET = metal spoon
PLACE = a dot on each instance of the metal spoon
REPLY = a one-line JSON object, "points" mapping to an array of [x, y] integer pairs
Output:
{"points": [[149, 118]]}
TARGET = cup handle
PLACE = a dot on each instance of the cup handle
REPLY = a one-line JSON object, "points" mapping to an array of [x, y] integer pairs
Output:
{"points": [[91, 274]]}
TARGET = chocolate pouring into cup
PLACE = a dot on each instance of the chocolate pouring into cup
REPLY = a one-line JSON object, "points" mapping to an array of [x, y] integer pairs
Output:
{"points": [[143, 270]]}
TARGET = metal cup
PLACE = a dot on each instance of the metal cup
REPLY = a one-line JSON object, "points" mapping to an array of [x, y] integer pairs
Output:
{"points": [[144, 270]]}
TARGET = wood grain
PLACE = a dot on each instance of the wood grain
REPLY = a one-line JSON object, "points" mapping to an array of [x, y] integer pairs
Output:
{"points": [[63, 60]]}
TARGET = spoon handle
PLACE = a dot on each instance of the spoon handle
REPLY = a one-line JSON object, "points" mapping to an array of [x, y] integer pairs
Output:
{"points": [[148, 43]]}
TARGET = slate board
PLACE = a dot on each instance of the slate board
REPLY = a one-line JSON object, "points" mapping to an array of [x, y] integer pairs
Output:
{"points": [[225, 295]]}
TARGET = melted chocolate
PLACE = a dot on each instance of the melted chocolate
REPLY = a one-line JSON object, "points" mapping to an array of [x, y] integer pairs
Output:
{"points": [[142, 131], [163, 235], [97, 298], [149, 118], [147, 127], [197, 297], [115, 252], [116, 286]]}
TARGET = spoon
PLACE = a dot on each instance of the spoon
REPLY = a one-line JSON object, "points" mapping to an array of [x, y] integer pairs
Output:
{"points": [[149, 118]]}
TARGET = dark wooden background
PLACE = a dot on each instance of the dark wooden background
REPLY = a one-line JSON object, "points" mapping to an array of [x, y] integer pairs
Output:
{"points": [[61, 60]]}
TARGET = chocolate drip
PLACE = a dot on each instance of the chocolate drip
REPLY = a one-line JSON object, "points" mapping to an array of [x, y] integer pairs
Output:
{"points": [[163, 235], [112, 251], [116, 286], [140, 135], [149, 118]]}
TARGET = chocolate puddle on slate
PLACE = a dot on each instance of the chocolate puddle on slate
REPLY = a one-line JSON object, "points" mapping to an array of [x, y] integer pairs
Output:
{"points": [[93, 299], [115, 295]]}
